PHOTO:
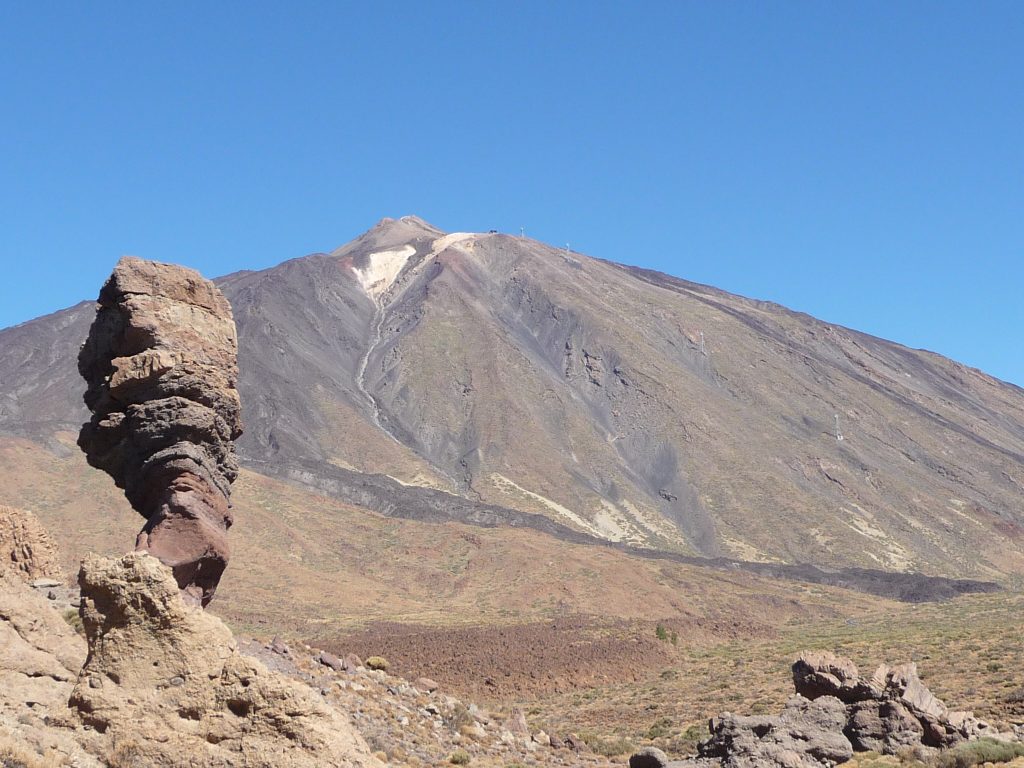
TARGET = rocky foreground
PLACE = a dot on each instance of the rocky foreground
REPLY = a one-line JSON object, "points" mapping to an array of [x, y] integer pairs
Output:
{"points": [[159, 682], [156, 682]]}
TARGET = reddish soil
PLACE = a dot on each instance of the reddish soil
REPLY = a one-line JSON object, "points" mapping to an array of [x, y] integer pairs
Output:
{"points": [[491, 663]]}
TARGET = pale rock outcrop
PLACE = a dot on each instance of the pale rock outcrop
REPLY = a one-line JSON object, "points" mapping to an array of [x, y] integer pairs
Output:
{"points": [[161, 366], [40, 655], [26, 547], [165, 679]]}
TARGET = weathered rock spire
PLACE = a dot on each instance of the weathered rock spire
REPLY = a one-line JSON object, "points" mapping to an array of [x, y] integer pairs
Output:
{"points": [[161, 367]]}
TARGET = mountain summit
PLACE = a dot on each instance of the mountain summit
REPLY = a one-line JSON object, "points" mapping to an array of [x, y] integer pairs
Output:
{"points": [[499, 380]]}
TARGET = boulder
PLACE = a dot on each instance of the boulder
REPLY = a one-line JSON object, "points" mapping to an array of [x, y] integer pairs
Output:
{"points": [[807, 734], [164, 679], [160, 364], [331, 661], [820, 673], [426, 684], [882, 726], [648, 757]]}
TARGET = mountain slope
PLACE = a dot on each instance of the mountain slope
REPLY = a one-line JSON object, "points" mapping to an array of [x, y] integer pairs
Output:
{"points": [[620, 403]]}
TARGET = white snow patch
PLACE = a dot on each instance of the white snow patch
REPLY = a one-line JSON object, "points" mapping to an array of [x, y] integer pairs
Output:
{"points": [[383, 269]]}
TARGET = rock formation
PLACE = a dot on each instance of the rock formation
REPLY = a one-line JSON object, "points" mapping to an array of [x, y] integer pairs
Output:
{"points": [[835, 713], [164, 679], [805, 733], [892, 709], [40, 654], [26, 547], [161, 366]]}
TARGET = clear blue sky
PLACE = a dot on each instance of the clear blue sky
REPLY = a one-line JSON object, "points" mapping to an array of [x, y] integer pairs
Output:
{"points": [[860, 161]]}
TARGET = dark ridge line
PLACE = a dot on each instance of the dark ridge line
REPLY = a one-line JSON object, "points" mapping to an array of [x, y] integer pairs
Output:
{"points": [[433, 506]]}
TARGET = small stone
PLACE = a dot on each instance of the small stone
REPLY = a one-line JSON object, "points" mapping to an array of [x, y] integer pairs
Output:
{"points": [[575, 743], [177, 680], [331, 661], [426, 684], [517, 723], [45, 583], [95, 682]]}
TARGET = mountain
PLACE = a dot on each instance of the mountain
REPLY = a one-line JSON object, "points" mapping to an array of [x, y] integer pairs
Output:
{"points": [[495, 380]]}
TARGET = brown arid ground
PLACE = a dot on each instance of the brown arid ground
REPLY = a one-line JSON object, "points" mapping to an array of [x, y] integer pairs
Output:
{"points": [[510, 661], [317, 567], [620, 687], [968, 651]]}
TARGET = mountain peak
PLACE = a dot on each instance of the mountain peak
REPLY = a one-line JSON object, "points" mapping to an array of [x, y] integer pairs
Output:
{"points": [[409, 227], [391, 233]]}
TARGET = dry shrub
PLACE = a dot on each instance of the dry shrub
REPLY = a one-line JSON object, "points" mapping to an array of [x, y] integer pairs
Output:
{"points": [[973, 753], [15, 753], [126, 753]]}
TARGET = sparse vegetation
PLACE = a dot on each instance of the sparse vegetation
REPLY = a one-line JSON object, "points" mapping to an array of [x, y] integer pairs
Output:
{"points": [[74, 621], [126, 753], [378, 663], [977, 752], [661, 728], [613, 747], [459, 757], [16, 754]]}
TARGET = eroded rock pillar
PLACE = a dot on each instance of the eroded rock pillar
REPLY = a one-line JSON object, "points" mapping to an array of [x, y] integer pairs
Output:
{"points": [[161, 367]]}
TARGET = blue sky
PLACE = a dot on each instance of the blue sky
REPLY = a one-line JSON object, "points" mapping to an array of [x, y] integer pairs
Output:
{"points": [[861, 161]]}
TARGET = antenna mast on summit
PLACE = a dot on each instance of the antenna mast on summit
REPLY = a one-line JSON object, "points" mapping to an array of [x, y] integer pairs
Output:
{"points": [[522, 232], [839, 435]]}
